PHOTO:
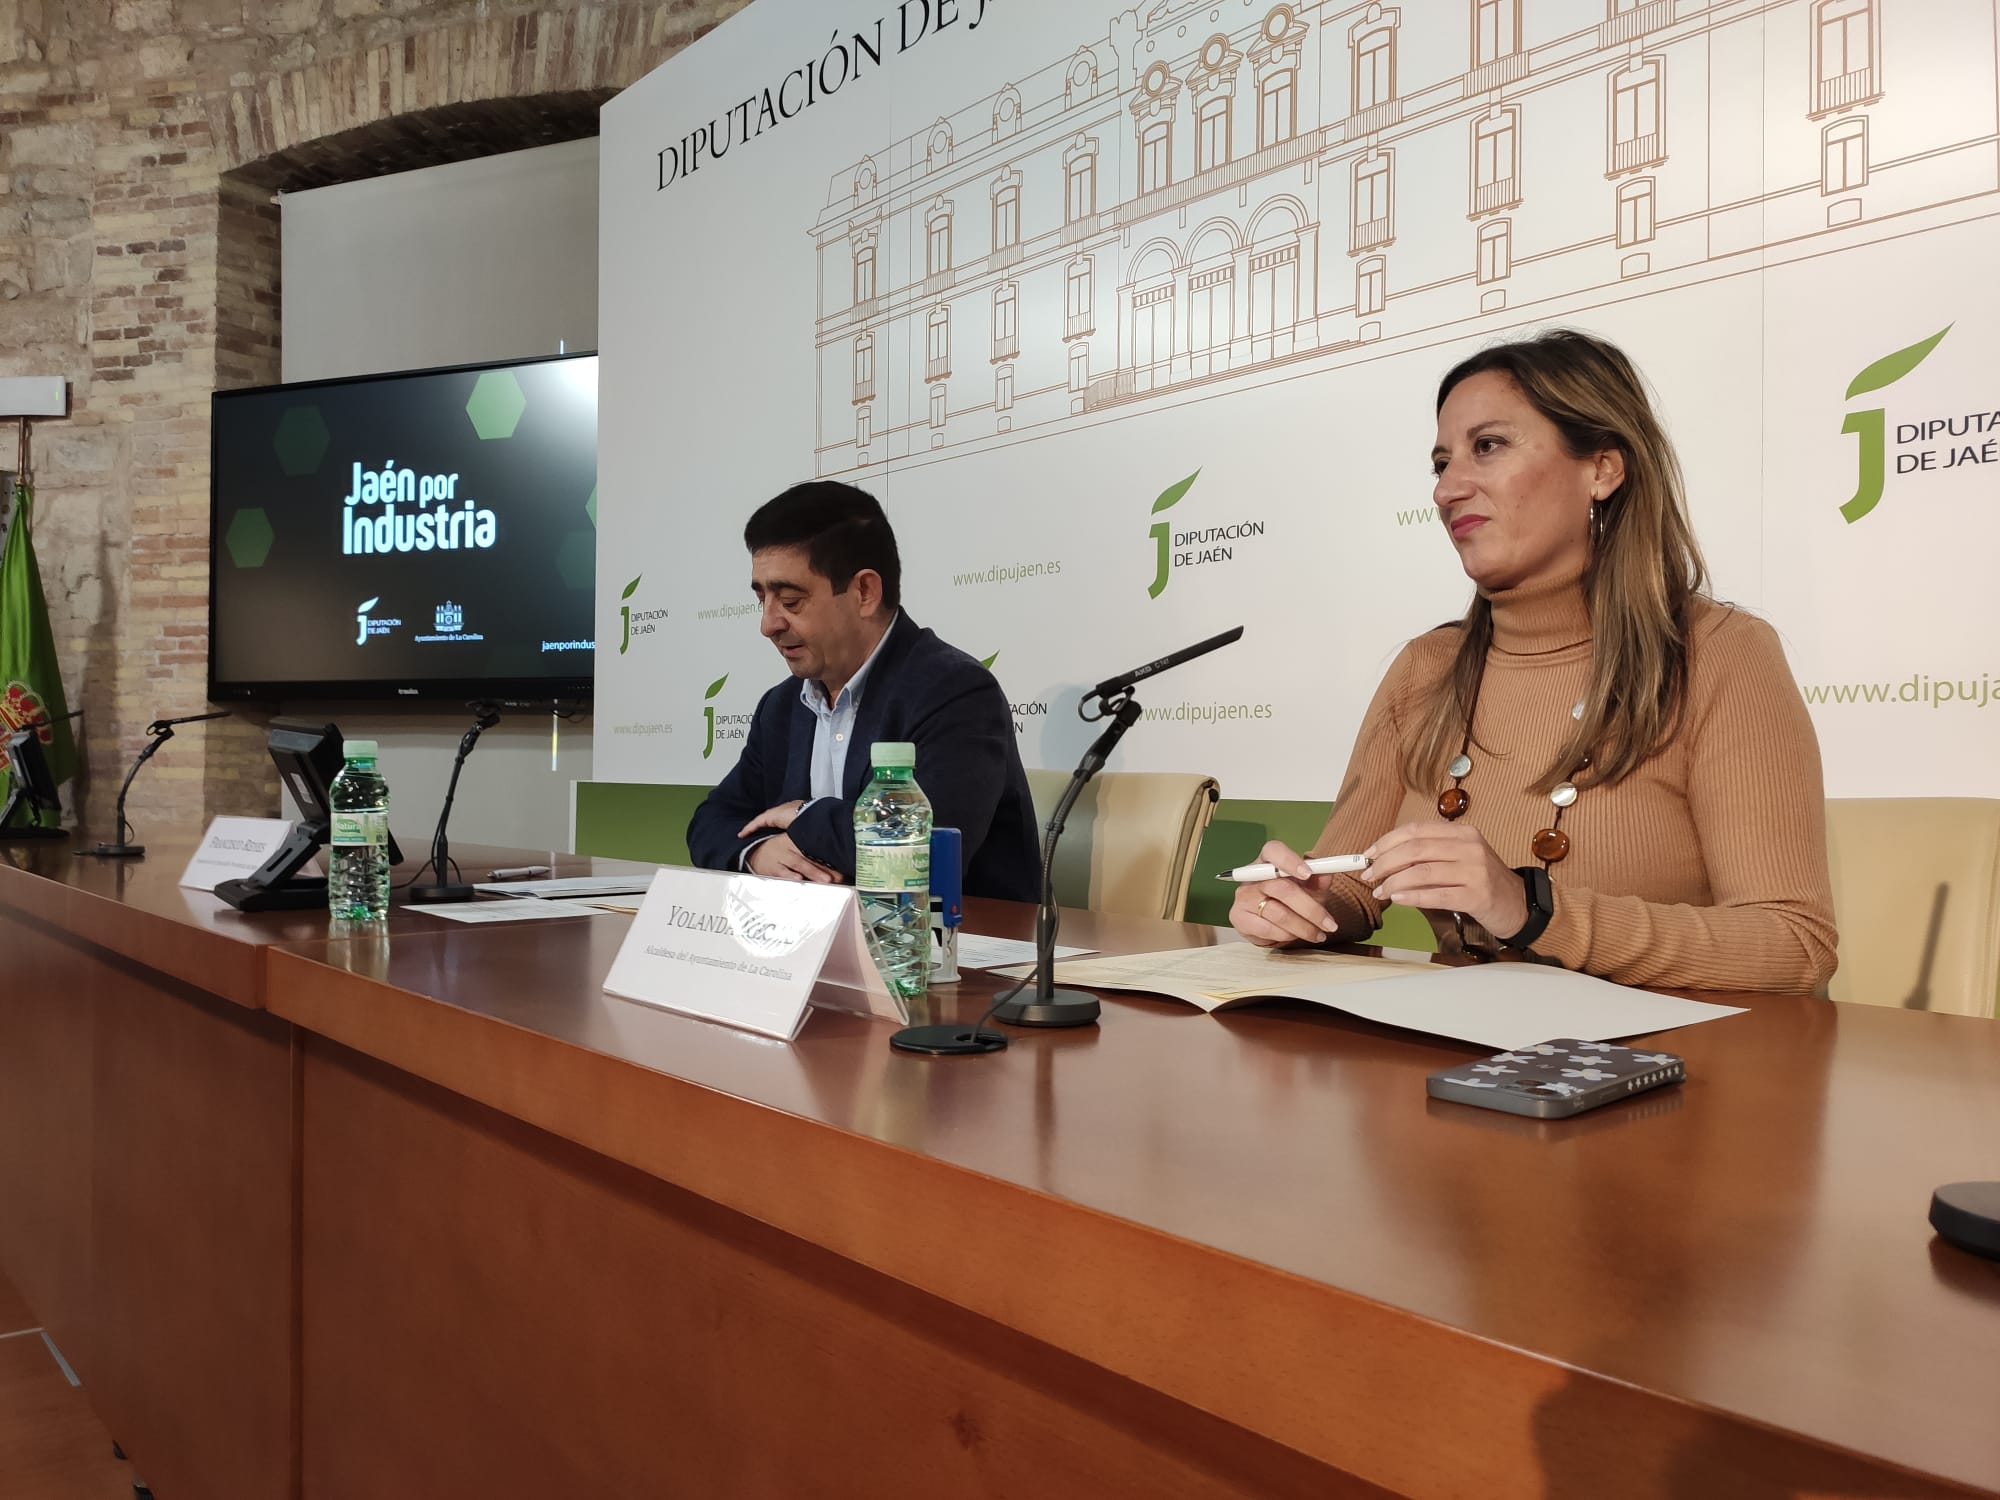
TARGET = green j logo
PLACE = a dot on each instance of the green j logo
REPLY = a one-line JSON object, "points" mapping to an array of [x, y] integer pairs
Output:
{"points": [[1871, 426], [625, 615], [708, 713], [1159, 532]]}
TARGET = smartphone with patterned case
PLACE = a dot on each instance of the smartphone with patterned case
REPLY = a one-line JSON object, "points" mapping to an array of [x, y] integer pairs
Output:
{"points": [[1553, 1079]]}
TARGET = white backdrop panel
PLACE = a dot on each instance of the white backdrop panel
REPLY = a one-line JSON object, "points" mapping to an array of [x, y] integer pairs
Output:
{"points": [[979, 280]]}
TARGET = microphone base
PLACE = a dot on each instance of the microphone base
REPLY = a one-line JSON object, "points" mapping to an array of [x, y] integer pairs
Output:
{"points": [[433, 895], [114, 851], [1061, 1008], [1967, 1214], [947, 1041]]}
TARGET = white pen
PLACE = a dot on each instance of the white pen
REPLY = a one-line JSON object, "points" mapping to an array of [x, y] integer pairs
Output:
{"points": [[1326, 864], [525, 872]]}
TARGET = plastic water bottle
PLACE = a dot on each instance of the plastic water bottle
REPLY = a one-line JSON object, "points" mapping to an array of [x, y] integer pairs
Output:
{"points": [[892, 868], [357, 862]]}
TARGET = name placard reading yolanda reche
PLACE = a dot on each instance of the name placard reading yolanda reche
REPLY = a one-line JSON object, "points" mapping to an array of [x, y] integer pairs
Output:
{"points": [[747, 952]]}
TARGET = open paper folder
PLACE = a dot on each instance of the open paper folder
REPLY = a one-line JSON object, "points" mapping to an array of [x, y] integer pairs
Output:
{"points": [[1501, 1005]]}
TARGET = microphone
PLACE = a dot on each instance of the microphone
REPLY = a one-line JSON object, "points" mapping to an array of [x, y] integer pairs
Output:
{"points": [[442, 866], [157, 734], [159, 726], [1124, 681], [1049, 1006]]}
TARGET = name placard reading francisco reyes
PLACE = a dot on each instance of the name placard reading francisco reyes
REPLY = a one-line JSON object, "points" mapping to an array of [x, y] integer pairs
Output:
{"points": [[748, 952], [233, 848]]}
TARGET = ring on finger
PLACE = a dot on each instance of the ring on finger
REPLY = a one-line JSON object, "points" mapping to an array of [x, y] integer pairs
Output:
{"points": [[1261, 905]]}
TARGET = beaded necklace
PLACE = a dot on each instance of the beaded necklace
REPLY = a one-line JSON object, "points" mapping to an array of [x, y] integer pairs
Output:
{"points": [[1551, 844]]}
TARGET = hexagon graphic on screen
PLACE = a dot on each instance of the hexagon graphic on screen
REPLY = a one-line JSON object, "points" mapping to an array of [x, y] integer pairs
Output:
{"points": [[496, 404], [301, 440], [590, 507], [576, 559], [248, 538]]}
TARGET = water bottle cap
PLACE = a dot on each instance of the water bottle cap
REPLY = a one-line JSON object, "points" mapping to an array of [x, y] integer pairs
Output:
{"points": [[358, 750], [893, 753]]}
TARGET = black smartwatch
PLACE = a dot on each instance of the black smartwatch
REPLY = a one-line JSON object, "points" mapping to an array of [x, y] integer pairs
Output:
{"points": [[1541, 906]]}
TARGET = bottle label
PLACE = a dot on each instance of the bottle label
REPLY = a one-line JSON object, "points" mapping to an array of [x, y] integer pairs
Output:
{"points": [[892, 867], [359, 830]]}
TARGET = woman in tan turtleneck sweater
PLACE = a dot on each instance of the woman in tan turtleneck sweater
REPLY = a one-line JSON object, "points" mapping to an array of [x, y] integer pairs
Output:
{"points": [[1599, 766]]}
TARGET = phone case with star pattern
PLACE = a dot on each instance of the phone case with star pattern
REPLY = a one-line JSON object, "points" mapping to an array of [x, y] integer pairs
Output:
{"points": [[1553, 1079]]}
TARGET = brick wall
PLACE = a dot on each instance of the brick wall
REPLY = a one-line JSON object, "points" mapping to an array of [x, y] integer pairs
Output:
{"points": [[140, 144]]}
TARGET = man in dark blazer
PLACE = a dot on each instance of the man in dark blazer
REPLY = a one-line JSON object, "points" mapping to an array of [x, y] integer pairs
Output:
{"points": [[824, 566]]}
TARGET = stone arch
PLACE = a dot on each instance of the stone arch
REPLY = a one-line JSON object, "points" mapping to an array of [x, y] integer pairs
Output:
{"points": [[474, 87], [544, 71]]}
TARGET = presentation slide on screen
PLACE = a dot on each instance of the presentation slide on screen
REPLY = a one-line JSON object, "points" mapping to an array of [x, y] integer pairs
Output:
{"points": [[413, 529]]}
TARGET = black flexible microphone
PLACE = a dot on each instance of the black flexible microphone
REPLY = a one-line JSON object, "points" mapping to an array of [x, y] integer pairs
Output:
{"points": [[444, 888], [157, 734], [1112, 686], [1049, 1006], [160, 725]]}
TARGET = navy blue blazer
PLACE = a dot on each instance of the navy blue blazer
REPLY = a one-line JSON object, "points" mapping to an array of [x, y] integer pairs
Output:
{"points": [[968, 764]]}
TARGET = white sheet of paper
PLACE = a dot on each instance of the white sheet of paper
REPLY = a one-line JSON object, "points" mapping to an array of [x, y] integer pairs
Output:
{"points": [[1505, 1005], [976, 952], [568, 885], [233, 848], [748, 952], [1501, 1005], [506, 911], [1207, 976]]}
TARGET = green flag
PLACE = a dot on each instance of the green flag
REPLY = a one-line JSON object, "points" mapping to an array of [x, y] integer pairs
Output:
{"points": [[30, 686]]}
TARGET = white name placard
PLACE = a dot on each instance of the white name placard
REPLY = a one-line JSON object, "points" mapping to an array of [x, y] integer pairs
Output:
{"points": [[232, 848], [747, 952]]}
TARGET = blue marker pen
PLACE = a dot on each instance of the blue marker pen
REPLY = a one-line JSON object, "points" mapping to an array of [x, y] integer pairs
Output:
{"points": [[947, 902]]}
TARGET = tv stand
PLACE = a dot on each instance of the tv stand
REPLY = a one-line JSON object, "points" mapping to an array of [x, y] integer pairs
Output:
{"points": [[300, 894], [15, 803]]}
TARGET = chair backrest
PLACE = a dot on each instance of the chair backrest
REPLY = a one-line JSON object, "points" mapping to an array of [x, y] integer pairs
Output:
{"points": [[1916, 895], [1129, 844]]}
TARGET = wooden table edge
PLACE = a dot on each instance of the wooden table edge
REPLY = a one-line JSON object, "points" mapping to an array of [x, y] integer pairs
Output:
{"points": [[229, 968], [1345, 1401]]}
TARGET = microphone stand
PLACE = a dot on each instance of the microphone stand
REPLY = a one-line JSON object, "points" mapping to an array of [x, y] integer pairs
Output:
{"points": [[157, 734], [1050, 1006], [441, 863]]}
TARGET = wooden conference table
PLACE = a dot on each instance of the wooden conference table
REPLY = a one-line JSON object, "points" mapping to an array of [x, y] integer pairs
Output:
{"points": [[429, 1215]]}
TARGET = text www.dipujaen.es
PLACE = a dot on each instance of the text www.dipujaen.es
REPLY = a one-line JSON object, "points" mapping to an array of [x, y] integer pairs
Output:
{"points": [[1189, 712], [1915, 691]]}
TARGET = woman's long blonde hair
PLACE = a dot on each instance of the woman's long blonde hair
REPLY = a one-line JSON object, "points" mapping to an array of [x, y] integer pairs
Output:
{"points": [[1645, 567]]}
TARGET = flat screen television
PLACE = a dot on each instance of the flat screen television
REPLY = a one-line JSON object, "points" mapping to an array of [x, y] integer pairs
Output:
{"points": [[429, 534]]}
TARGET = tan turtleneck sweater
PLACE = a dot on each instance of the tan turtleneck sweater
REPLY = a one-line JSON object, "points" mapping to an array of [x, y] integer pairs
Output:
{"points": [[1704, 869]]}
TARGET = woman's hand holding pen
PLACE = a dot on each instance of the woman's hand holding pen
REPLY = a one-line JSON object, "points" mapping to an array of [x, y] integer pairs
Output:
{"points": [[1286, 909], [1447, 867], [1442, 867]]}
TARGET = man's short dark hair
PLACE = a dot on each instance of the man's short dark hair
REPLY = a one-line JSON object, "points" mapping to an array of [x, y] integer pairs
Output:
{"points": [[842, 529]]}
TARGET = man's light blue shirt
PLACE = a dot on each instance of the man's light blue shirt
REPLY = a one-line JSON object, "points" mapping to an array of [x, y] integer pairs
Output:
{"points": [[833, 729]]}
